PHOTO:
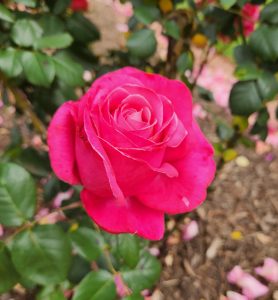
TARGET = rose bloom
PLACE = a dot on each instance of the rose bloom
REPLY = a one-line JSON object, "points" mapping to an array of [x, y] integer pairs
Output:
{"points": [[250, 15], [79, 5], [133, 145]]}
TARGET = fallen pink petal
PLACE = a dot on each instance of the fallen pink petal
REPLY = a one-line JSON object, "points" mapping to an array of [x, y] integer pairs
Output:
{"points": [[235, 296], [190, 231], [251, 287], [269, 270]]}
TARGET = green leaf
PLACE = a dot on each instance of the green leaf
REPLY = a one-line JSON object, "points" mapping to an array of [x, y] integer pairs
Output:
{"points": [[51, 24], [79, 268], [260, 126], [55, 41], [25, 32], [263, 117], [36, 162], [224, 131], [264, 42], [83, 30], [42, 254], [58, 6], [185, 62], [128, 247], [17, 195], [68, 70], [142, 43], [270, 13], [243, 55], [6, 14], [227, 3], [50, 293], [172, 29], [8, 275], [30, 3], [268, 86], [145, 274], [86, 242], [229, 154], [10, 62], [147, 13], [96, 286], [38, 68], [205, 94], [247, 71], [245, 98]]}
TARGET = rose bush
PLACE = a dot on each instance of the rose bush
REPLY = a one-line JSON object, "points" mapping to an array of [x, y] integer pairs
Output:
{"points": [[133, 145], [79, 5]]}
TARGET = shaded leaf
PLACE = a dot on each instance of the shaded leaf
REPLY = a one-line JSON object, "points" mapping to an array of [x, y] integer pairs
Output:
{"points": [[38, 68], [245, 98], [145, 274], [86, 242], [142, 43], [128, 247], [6, 14], [95, 286], [68, 70], [25, 32], [42, 254], [10, 62], [8, 275], [17, 195], [55, 41], [146, 13]]}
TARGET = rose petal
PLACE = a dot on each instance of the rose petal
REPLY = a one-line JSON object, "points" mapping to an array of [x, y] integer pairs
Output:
{"points": [[61, 141], [190, 230], [235, 296], [97, 146], [269, 270], [177, 92], [196, 171], [251, 287], [131, 217]]}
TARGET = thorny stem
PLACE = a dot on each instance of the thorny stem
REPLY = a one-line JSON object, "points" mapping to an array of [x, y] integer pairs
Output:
{"points": [[107, 255], [23, 104], [204, 62]]}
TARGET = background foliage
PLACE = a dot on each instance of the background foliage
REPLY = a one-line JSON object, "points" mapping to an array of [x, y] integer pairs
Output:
{"points": [[50, 248]]}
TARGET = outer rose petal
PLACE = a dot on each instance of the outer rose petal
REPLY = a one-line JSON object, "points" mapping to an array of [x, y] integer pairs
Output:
{"points": [[61, 141], [133, 217], [188, 190]]}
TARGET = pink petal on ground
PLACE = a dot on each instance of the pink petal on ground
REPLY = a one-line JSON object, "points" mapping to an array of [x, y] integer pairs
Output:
{"points": [[251, 287], [190, 230], [235, 296], [269, 270]]}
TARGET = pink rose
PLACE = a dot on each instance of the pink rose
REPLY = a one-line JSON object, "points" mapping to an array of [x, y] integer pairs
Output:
{"points": [[132, 143], [250, 15], [79, 5]]}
